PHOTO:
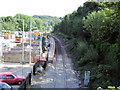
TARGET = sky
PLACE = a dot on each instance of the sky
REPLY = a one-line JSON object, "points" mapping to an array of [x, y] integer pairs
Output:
{"points": [[58, 8]]}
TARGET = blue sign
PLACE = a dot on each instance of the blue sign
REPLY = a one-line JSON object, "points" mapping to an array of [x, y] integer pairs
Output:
{"points": [[87, 77]]}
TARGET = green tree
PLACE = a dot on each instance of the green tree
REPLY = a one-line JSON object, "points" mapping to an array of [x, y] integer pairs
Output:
{"points": [[26, 22], [38, 23], [93, 36], [7, 23], [101, 25]]}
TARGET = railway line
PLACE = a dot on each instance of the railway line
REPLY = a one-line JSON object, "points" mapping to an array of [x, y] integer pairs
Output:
{"points": [[59, 73], [60, 80]]}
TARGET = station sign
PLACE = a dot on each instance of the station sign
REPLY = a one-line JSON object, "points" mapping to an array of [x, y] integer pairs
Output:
{"points": [[87, 78], [36, 33]]}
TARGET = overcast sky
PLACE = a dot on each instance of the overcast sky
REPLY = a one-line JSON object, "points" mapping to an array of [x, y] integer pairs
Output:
{"points": [[57, 8]]}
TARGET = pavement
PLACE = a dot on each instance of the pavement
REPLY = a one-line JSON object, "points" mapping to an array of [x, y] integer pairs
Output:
{"points": [[16, 68], [51, 49]]}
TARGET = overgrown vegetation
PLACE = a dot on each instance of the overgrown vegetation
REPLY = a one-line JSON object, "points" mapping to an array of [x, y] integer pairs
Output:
{"points": [[93, 35]]}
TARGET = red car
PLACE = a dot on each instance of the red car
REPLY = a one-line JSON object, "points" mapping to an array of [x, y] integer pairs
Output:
{"points": [[11, 78]]}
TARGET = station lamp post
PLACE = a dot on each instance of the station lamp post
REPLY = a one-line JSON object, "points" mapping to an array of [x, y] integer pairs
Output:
{"points": [[22, 42]]}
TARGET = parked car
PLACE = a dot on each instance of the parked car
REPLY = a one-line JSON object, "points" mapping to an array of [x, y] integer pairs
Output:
{"points": [[5, 86], [11, 78]]}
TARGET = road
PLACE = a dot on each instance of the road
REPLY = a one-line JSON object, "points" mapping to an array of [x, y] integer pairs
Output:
{"points": [[59, 74], [16, 68]]}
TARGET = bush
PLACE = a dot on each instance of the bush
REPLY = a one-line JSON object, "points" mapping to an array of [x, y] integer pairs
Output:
{"points": [[82, 48]]}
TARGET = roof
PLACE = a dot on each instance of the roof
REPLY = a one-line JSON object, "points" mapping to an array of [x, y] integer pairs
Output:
{"points": [[5, 73], [2, 82], [4, 85]]}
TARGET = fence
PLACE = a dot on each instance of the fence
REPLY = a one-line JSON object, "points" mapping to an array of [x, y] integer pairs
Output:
{"points": [[26, 84]]}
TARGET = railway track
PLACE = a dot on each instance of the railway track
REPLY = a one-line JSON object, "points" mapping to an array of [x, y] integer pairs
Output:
{"points": [[60, 73], [60, 79]]}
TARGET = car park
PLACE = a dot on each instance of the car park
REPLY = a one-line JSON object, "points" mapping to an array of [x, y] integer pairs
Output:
{"points": [[11, 78]]}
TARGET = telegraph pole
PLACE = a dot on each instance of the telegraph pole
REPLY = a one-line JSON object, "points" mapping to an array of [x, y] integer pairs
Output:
{"points": [[30, 40], [22, 43], [23, 48]]}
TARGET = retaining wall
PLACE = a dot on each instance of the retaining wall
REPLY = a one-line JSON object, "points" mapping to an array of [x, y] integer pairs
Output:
{"points": [[17, 56]]}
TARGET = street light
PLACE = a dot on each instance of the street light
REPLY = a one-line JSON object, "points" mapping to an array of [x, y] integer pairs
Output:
{"points": [[22, 42]]}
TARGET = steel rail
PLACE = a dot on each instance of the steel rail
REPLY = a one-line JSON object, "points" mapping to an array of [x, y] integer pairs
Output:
{"points": [[58, 43]]}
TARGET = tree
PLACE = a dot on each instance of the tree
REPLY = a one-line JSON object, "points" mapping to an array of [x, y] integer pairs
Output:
{"points": [[93, 36], [7, 23], [38, 23], [26, 22], [101, 25]]}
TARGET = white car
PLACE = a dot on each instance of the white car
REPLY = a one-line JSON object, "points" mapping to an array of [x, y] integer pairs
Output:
{"points": [[5, 86]]}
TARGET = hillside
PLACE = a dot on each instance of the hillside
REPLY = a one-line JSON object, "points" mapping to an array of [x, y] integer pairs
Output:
{"points": [[48, 21], [44, 23], [92, 34]]}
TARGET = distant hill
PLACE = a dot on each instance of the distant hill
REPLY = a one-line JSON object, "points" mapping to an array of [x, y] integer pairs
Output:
{"points": [[48, 21], [43, 23]]}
